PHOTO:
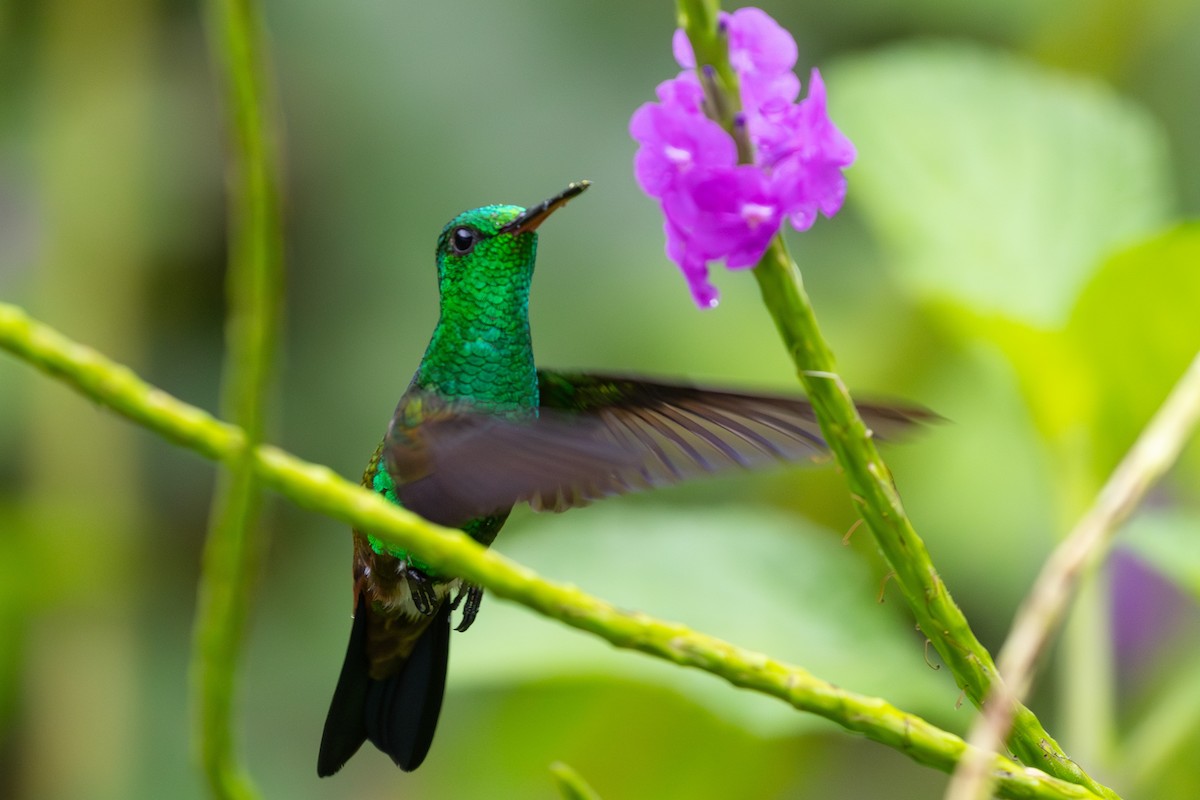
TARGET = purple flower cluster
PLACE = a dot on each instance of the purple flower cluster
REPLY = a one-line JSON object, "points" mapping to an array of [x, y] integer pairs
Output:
{"points": [[715, 208]]}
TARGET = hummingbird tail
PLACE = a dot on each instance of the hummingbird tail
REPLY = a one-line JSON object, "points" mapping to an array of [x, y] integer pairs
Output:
{"points": [[345, 725], [398, 714]]}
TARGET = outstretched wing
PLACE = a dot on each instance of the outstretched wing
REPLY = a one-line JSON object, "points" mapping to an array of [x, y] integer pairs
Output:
{"points": [[599, 435], [679, 431], [460, 464]]}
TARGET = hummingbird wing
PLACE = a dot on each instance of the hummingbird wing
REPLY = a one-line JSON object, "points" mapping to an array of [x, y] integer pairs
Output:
{"points": [[681, 431], [459, 463], [599, 435]]}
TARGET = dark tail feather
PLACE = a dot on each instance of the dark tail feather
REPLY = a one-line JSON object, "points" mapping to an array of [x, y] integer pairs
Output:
{"points": [[402, 711], [345, 725], [398, 714]]}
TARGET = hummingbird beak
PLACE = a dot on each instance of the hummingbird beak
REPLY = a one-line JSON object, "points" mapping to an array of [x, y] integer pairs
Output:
{"points": [[532, 217]]}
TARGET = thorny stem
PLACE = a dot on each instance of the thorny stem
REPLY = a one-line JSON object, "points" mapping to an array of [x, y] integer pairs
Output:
{"points": [[871, 485], [319, 489]]}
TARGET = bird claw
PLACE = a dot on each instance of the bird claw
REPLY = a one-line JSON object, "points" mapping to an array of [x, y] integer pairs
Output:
{"points": [[474, 595], [420, 588], [425, 599]]}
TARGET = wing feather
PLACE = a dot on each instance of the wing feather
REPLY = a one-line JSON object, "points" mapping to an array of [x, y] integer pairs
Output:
{"points": [[599, 435]]}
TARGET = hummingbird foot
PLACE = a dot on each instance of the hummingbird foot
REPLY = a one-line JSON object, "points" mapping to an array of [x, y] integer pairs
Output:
{"points": [[420, 588], [474, 595]]}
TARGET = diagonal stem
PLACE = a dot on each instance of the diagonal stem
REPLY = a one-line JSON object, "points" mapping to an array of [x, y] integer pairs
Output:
{"points": [[319, 489], [870, 482], [878, 502], [1148, 460]]}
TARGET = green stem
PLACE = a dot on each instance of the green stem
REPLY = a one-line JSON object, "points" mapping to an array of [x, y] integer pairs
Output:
{"points": [[1087, 671], [320, 489], [1171, 724], [872, 488], [702, 15], [1086, 699], [878, 502], [254, 285], [1070, 573], [571, 784]]}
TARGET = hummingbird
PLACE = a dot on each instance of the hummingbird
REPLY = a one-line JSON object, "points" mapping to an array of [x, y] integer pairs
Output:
{"points": [[480, 429]]}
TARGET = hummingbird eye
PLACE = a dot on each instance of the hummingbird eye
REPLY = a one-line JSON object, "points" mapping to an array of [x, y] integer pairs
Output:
{"points": [[463, 240]]}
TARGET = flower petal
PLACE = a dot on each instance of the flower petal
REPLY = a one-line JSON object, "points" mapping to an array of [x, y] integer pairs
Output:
{"points": [[675, 142], [759, 44], [713, 208]]}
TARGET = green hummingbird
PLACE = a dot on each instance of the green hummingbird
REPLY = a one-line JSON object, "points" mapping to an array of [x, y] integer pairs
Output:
{"points": [[480, 429]]}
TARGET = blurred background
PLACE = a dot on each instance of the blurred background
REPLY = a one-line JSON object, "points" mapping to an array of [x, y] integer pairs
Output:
{"points": [[1013, 254]]}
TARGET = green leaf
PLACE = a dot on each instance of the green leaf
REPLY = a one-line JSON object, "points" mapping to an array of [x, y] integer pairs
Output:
{"points": [[1129, 337], [1135, 329], [757, 578], [997, 184]]}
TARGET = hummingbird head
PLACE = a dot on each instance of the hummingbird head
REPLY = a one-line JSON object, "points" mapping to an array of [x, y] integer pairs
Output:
{"points": [[494, 246], [481, 347]]}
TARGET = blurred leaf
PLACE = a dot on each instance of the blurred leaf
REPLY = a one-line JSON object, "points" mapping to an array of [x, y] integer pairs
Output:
{"points": [[619, 734], [1135, 329], [1057, 384], [1170, 540], [998, 184], [1129, 337], [760, 579]]}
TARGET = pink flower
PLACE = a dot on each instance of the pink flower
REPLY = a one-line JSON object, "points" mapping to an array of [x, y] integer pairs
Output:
{"points": [[715, 209]]}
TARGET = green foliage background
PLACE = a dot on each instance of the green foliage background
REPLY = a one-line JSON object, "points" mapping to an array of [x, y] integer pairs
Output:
{"points": [[1011, 256]]}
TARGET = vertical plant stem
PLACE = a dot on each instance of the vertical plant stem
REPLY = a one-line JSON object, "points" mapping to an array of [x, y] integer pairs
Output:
{"points": [[1087, 695], [1087, 688], [870, 482], [711, 49], [254, 286], [877, 501]]}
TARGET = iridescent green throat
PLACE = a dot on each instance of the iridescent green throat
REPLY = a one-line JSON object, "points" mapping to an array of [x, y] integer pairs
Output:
{"points": [[481, 351]]}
